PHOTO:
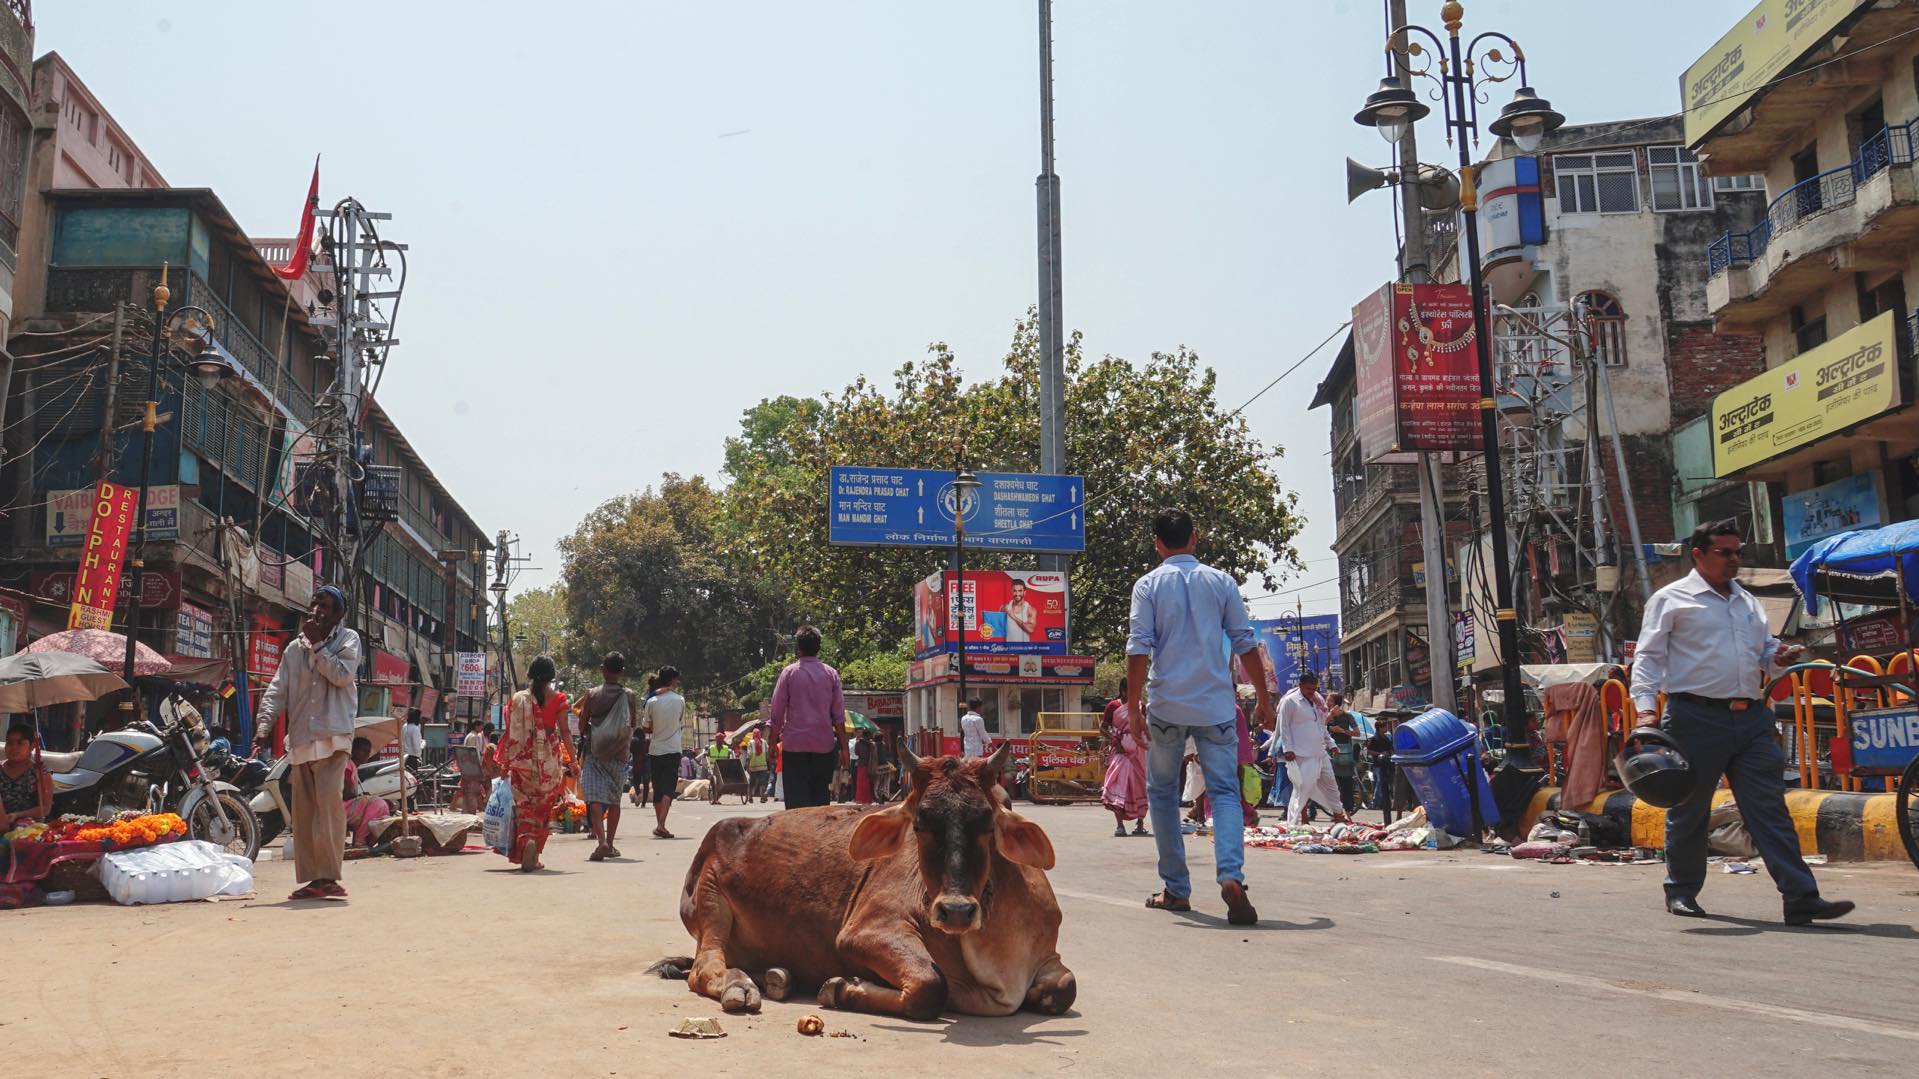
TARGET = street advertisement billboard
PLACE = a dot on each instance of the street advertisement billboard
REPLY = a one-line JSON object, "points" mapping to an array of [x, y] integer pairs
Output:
{"points": [[1847, 380], [68, 513], [470, 674], [1007, 612], [1416, 371], [1292, 644], [97, 582], [1839, 506], [1773, 35]]}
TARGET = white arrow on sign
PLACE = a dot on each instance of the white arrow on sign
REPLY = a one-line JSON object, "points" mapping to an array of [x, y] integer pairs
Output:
{"points": [[1075, 522], [922, 486], [1073, 491], [922, 510]]}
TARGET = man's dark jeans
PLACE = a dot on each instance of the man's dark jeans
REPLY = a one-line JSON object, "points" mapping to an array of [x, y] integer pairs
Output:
{"points": [[809, 778]]}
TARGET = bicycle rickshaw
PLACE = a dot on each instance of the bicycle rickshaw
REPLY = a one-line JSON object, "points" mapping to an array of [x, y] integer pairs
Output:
{"points": [[1870, 577]]}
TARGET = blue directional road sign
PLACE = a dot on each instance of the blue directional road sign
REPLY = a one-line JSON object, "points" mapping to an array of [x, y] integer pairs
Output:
{"points": [[913, 507]]}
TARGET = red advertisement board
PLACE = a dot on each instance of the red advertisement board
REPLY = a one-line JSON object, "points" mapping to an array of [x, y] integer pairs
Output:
{"points": [[97, 583], [1004, 611], [1416, 371]]}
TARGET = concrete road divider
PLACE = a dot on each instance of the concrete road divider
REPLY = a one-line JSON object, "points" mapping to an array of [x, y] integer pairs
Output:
{"points": [[1844, 827]]}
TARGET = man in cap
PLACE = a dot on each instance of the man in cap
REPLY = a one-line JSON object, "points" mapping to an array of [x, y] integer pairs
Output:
{"points": [[1309, 762], [315, 688]]}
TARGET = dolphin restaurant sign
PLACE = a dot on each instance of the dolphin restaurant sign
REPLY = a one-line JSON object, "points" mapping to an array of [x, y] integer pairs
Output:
{"points": [[96, 583], [1845, 381]]}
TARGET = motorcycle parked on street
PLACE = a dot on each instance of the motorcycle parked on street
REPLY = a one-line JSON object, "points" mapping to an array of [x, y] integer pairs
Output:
{"points": [[273, 802], [148, 769]]}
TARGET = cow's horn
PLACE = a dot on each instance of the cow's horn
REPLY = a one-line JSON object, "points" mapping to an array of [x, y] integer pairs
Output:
{"points": [[909, 758], [1003, 756]]}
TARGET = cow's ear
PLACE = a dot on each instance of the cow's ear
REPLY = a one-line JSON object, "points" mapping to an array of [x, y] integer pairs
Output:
{"points": [[879, 834], [1022, 841]]}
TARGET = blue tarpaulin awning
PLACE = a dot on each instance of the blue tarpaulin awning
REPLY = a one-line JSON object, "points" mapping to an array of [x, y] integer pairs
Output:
{"points": [[1867, 554]]}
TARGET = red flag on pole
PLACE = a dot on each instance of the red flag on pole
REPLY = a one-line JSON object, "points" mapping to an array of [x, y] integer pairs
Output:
{"points": [[296, 266]]}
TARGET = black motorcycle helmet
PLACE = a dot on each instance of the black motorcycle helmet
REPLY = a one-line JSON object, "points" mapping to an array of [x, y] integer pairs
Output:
{"points": [[1653, 769]]}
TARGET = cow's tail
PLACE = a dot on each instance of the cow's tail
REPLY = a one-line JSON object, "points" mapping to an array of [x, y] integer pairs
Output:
{"points": [[674, 968]]}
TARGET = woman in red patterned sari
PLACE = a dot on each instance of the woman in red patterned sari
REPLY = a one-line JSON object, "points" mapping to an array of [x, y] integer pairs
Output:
{"points": [[533, 754]]}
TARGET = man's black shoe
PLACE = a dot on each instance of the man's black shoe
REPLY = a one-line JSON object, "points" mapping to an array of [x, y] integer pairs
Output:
{"points": [[1685, 906], [1814, 909]]}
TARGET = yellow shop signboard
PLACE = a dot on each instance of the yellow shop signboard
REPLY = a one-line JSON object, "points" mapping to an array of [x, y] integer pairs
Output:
{"points": [[1845, 381], [1772, 36]]}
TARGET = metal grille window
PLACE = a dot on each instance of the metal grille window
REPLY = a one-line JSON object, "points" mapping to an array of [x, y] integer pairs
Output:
{"points": [[1601, 315], [1597, 183], [1677, 183]]}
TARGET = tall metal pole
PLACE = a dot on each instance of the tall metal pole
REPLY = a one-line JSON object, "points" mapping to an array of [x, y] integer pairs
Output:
{"points": [[103, 467], [1052, 344], [1519, 753], [1414, 267], [959, 581]]}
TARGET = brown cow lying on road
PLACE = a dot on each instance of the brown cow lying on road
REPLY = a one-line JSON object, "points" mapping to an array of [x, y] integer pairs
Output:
{"points": [[938, 902]]}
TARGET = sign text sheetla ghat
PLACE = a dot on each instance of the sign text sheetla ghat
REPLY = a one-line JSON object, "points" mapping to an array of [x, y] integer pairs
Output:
{"points": [[914, 507]]}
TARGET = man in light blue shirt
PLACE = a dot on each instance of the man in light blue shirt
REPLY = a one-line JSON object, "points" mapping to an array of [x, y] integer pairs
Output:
{"points": [[1186, 619]]}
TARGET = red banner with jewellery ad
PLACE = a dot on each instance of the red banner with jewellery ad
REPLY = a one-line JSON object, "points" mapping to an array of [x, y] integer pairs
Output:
{"points": [[97, 582], [1416, 372]]}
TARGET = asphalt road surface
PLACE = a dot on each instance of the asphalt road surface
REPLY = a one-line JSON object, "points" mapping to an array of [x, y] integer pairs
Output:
{"points": [[1426, 963]]}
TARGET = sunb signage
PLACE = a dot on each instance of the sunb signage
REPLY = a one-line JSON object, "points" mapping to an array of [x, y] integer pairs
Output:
{"points": [[1885, 738], [1845, 381]]}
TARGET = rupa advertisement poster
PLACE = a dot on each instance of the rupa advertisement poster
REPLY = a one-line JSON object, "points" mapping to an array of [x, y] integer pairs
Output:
{"points": [[1004, 611]]}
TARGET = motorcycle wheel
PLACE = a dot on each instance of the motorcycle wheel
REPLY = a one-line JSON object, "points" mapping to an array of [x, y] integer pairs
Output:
{"points": [[239, 834], [270, 826]]}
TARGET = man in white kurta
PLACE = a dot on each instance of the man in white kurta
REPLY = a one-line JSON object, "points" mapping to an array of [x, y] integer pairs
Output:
{"points": [[1309, 761]]}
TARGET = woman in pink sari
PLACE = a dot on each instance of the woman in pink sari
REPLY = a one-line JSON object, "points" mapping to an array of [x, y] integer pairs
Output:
{"points": [[1124, 791], [363, 810]]}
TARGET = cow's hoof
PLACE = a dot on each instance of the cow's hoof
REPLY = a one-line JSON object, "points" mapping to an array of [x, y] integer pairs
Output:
{"points": [[740, 995], [1054, 999], [833, 991], [779, 982]]}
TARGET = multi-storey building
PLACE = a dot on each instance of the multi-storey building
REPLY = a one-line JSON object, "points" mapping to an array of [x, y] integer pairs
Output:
{"points": [[1592, 249], [16, 95], [1825, 278], [231, 563]]}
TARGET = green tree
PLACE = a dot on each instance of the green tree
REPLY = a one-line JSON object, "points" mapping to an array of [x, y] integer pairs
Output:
{"points": [[538, 620], [645, 574], [1144, 436]]}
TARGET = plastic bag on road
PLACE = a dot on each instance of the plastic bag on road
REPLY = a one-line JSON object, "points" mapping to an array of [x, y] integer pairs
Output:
{"points": [[174, 872], [496, 824]]}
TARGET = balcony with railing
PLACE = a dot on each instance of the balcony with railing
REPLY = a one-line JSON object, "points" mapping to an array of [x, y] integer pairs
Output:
{"points": [[1859, 213], [77, 290]]}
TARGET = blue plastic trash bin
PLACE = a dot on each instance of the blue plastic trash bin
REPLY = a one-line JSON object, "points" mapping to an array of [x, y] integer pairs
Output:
{"points": [[1439, 756]]}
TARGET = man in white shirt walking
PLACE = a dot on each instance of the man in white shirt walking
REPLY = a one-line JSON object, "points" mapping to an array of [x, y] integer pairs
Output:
{"points": [[1309, 762], [973, 737], [1705, 642], [664, 721]]}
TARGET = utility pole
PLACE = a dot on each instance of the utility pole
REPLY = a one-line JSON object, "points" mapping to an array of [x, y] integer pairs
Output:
{"points": [[1052, 345], [1413, 267], [103, 466]]}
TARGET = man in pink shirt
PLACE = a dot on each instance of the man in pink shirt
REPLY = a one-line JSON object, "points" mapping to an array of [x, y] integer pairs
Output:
{"points": [[808, 723]]}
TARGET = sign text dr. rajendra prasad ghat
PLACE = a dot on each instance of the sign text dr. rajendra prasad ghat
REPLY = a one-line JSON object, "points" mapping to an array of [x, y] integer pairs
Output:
{"points": [[1845, 381]]}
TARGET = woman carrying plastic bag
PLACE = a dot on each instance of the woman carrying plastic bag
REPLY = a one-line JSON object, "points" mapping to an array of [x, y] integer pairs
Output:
{"points": [[496, 825]]}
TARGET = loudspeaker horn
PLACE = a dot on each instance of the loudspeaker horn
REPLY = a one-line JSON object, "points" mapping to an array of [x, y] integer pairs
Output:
{"points": [[1361, 179]]}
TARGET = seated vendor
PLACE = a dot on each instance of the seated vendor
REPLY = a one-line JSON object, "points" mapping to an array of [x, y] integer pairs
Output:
{"points": [[26, 789], [362, 810]]}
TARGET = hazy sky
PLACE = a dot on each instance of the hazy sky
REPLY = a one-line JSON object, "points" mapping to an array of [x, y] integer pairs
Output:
{"points": [[632, 221]]}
